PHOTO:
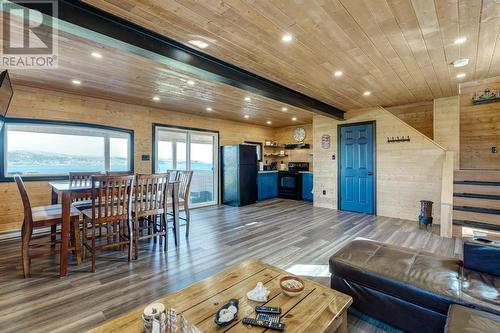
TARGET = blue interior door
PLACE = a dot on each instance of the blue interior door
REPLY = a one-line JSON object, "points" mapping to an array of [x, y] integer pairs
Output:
{"points": [[357, 168]]}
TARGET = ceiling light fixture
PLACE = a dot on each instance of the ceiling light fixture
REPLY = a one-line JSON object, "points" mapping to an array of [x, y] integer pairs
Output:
{"points": [[294, 118], [156, 98], [198, 43], [269, 122], [190, 82], [247, 99], [367, 93], [284, 109], [246, 116], [460, 62], [460, 75], [338, 73], [96, 55], [460, 40], [209, 109], [76, 82], [287, 38]]}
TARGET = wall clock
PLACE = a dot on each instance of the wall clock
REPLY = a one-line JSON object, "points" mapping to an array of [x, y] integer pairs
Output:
{"points": [[299, 134]]}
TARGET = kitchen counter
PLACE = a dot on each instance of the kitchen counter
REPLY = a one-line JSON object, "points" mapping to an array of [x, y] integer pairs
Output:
{"points": [[267, 171], [305, 172]]}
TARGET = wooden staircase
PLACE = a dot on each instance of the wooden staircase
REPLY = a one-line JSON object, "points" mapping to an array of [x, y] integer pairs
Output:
{"points": [[476, 199]]}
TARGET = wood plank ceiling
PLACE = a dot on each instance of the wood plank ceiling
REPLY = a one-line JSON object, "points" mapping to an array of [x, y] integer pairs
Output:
{"points": [[399, 50], [129, 78]]}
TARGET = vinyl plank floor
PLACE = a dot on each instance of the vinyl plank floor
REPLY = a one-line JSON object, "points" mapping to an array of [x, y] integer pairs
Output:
{"points": [[292, 235]]}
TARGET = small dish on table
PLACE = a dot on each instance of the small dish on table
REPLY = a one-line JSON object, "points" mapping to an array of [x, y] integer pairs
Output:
{"points": [[292, 285]]}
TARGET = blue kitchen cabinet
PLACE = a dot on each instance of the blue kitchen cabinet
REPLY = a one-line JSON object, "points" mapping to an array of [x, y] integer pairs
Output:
{"points": [[307, 186], [267, 185]]}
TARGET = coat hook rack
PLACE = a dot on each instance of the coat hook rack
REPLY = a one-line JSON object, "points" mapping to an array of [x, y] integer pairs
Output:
{"points": [[398, 139]]}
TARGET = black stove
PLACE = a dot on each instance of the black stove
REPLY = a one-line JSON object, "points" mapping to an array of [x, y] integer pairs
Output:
{"points": [[290, 182]]}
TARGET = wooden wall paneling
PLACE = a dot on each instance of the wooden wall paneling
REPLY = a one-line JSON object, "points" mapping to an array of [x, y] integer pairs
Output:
{"points": [[446, 228], [479, 127], [447, 125], [46, 104], [417, 115], [285, 135], [406, 172]]}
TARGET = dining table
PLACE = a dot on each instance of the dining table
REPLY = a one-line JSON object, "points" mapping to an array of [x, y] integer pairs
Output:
{"points": [[67, 191]]}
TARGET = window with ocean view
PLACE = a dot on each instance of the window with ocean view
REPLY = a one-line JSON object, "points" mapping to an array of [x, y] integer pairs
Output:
{"points": [[183, 149], [42, 149]]}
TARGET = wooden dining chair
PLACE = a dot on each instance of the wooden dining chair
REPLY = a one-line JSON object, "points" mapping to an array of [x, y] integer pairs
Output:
{"points": [[173, 174], [119, 173], [42, 217], [111, 207], [82, 201], [150, 208], [184, 178]]}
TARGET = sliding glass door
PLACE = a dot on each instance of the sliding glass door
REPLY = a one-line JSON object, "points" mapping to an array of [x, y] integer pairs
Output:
{"points": [[182, 149]]}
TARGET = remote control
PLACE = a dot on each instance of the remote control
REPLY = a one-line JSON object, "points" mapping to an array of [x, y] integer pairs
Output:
{"points": [[263, 323], [268, 317], [268, 309]]}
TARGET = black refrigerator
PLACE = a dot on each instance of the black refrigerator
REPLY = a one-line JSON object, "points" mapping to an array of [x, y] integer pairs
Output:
{"points": [[239, 175]]}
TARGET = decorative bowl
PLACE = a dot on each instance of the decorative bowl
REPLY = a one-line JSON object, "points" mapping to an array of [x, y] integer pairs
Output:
{"points": [[232, 302], [292, 285]]}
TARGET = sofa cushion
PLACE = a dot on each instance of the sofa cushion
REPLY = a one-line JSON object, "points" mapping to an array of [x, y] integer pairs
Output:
{"points": [[464, 319], [419, 277]]}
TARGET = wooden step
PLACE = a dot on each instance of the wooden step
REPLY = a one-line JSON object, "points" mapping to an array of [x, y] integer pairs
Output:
{"points": [[477, 176], [476, 217], [476, 225], [476, 189], [476, 202]]}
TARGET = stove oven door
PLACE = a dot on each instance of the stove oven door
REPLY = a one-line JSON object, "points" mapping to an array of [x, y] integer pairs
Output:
{"points": [[290, 185]]}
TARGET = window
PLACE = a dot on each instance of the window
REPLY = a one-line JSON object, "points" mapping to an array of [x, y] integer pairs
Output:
{"points": [[187, 149], [38, 149]]}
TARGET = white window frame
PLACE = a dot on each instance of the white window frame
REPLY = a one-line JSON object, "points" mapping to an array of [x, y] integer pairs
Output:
{"points": [[188, 133]]}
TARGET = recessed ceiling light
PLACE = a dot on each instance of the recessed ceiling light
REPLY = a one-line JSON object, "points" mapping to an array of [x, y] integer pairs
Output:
{"points": [[96, 55], [246, 116], [269, 122], [287, 38], [284, 109], [367, 93], [460, 40], [190, 82], [209, 109], [198, 43], [460, 75], [338, 73], [247, 99], [156, 98], [294, 118], [460, 62], [76, 82]]}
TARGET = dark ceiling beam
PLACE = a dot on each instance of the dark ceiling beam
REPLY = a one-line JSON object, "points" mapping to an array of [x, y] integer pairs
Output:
{"points": [[184, 58]]}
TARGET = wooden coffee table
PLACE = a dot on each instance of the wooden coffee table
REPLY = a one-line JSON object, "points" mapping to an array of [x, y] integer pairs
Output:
{"points": [[317, 309]]}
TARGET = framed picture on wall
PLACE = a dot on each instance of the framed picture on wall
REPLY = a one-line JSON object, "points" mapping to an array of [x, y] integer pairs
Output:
{"points": [[258, 148]]}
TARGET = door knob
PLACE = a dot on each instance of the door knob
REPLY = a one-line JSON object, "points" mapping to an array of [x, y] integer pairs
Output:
{"points": [[370, 173]]}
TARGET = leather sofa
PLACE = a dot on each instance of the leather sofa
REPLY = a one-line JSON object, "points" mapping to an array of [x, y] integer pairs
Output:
{"points": [[410, 289], [462, 319]]}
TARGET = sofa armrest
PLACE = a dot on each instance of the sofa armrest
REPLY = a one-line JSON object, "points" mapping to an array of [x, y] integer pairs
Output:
{"points": [[483, 257]]}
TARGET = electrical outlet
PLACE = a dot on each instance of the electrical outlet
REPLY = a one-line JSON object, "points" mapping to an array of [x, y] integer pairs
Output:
{"points": [[324, 192]]}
